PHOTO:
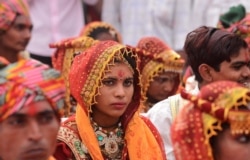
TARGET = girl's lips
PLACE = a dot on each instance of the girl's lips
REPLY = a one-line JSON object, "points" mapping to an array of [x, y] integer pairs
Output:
{"points": [[118, 105]]}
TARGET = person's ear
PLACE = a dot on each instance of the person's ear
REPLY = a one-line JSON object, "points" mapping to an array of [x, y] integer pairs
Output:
{"points": [[205, 72]]}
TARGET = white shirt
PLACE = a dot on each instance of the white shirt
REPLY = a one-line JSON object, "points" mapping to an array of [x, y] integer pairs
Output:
{"points": [[166, 19], [162, 117], [54, 20], [207, 12]]}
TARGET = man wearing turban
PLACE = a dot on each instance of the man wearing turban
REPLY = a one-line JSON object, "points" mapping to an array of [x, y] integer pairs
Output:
{"points": [[15, 29], [31, 101]]}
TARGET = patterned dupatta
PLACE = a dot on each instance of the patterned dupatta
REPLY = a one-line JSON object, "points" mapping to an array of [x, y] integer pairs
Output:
{"points": [[63, 57], [85, 76], [158, 57], [203, 117]]}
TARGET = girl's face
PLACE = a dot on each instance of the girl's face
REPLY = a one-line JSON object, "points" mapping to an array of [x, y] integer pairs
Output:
{"points": [[231, 147], [116, 93], [162, 86]]}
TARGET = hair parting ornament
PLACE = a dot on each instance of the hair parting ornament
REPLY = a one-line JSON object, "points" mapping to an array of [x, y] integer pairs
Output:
{"points": [[119, 58]]}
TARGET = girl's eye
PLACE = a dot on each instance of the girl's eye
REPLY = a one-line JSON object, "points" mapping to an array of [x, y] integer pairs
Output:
{"points": [[243, 138], [128, 82], [161, 80], [108, 82]]}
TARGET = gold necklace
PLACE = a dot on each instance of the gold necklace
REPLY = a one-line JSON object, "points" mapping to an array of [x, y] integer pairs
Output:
{"points": [[110, 142]]}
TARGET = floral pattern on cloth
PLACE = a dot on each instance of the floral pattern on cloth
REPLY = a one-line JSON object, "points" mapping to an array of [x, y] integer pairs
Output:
{"points": [[202, 118], [8, 11], [26, 81]]}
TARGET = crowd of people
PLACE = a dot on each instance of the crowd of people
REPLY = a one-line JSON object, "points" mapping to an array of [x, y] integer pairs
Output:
{"points": [[90, 80]]}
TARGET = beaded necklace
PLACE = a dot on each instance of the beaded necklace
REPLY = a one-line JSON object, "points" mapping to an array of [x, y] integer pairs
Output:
{"points": [[111, 142]]}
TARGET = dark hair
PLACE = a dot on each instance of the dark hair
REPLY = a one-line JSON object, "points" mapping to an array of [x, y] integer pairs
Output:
{"points": [[211, 46], [96, 31]]}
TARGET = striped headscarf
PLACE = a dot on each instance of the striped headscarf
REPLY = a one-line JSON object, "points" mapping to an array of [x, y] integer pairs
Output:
{"points": [[8, 11], [27, 81]]}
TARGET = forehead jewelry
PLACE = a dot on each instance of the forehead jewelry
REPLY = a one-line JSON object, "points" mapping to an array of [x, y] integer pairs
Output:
{"points": [[121, 74]]}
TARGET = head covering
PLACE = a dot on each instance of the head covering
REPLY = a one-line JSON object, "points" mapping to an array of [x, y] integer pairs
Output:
{"points": [[87, 71], [203, 117], [63, 57], [92, 29], [157, 57], [85, 77], [9, 10], [67, 49], [236, 20], [27, 81]]}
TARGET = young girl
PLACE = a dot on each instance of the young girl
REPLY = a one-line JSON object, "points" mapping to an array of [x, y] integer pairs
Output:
{"points": [[161, 70], [105, 82]]}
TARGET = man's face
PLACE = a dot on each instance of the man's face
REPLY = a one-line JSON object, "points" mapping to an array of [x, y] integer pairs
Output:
{"points": [[29, 133], [238, 69], [17, 37]]}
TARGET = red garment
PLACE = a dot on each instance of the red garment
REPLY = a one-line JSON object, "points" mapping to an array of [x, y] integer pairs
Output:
{"points": [[86, 73], [63, 151]]}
